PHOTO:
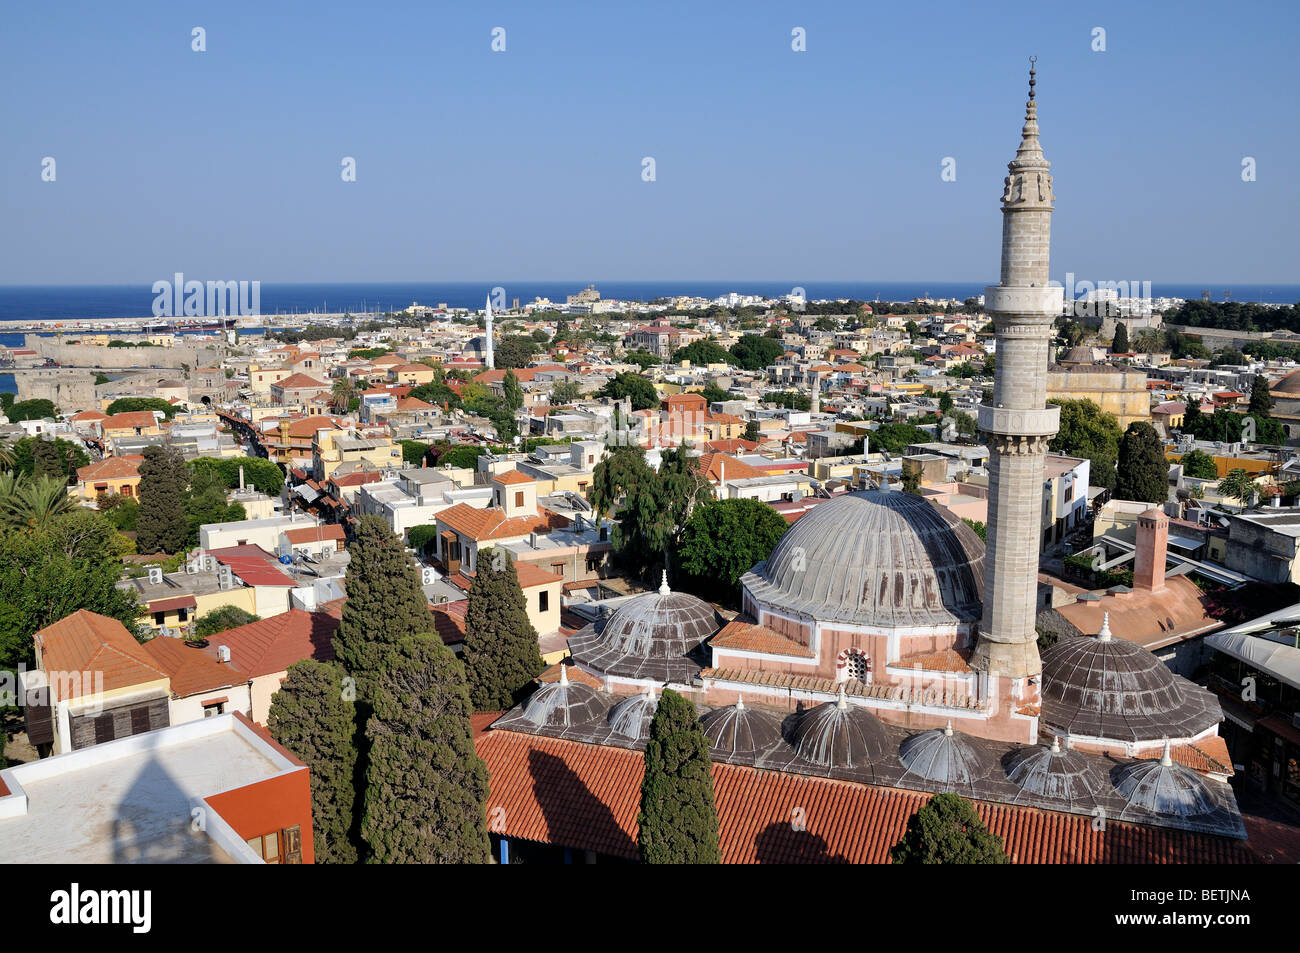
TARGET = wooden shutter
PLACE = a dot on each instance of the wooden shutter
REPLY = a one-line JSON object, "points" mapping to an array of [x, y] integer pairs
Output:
{"points": [[293, 844]]}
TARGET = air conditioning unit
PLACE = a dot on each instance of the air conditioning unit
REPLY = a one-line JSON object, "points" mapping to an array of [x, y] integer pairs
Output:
{"points": [[155, 576]]}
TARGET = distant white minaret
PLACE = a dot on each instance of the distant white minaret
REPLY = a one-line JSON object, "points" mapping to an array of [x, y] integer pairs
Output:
{"points": [[488, 357]]}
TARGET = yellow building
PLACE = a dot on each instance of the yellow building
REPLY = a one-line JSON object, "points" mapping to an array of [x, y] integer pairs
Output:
{"points": [[108, 476], [333, 448], [1118, 390]]}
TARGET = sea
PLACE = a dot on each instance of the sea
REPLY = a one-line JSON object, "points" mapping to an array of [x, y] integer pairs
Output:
{"points": [[80, 302]]}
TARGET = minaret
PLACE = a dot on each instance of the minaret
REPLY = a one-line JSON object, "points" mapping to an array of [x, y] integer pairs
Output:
{"points": [[488, 357], [1019, 423]]}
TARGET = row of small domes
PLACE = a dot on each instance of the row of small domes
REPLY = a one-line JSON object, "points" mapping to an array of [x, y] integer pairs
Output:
{"points": [[839, 735]]}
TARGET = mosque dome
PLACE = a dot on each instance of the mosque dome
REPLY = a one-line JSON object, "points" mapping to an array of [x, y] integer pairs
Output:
{"points": [[944, 756], [875, 557], [1166, 787], [564, 704], [741, 731], [839, 735], [648, 637], [1103, 687], [631, 717], [1051, 771]]}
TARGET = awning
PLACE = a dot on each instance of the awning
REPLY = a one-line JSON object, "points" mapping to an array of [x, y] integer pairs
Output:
{"points": [[176, 602], [1273, 658], [306, 493]]}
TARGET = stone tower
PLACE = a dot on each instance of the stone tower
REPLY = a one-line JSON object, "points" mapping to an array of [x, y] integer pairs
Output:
{"points": [[1018, 423]]}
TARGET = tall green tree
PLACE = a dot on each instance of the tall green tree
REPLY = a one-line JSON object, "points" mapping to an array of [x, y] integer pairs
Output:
{"points": [[133, 404], [1199, 464], [1088, 431], [385, 602], [628, 385], [205, 503], [514, 394], [1120, 343], [72, 562], [723, 540], [754, 352], [162, 525], [1143, 469], [1261, 399], [500, 649], [426, 787], [678, 820], [622, 469], [752, 432], [312, 716], [946, 830]]}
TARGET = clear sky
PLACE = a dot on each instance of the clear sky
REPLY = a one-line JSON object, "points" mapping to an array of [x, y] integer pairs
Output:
{"points": [[474, 165]]}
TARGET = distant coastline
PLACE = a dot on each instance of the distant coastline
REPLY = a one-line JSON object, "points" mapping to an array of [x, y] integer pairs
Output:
{"points": [[81, 302]]}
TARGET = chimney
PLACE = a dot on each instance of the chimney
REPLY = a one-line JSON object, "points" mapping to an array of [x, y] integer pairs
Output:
{"points": [[241, 477], [1152, 544]]}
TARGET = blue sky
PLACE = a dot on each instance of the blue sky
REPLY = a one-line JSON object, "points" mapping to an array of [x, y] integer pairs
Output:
{"points": [[481, 166]]}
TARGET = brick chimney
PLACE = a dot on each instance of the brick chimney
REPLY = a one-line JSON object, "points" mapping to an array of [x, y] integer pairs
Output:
{"points": [[1152, 544]]}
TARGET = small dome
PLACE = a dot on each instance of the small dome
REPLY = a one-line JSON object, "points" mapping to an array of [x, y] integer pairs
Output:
{"points": [[564, 703], [632, 716], [740, 731], [1166, 787], [879, 558], [839, 735], [1051, 771], [1103, 687], [943, 756], [648, 637]]}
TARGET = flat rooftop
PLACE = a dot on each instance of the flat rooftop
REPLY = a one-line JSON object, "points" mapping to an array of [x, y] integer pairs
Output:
{"points": [[130, 800]]}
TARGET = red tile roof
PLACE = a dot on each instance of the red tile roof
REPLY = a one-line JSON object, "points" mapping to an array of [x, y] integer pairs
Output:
{"points": [[110, 468], [129, 420], [511, 477], [86, 641], [314, 534], [272, 645], [586, 797], [190, 668], [299, 381], [485, 524], [254, 565]]}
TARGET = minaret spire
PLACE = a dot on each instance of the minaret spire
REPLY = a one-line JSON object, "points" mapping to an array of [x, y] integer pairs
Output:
{"points": [[1018, 420]]}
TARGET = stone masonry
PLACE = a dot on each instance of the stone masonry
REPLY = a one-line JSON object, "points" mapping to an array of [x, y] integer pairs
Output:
{"points": [[1018, 424]]}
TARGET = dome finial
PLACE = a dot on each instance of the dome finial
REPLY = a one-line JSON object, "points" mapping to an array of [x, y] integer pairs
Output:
{"points": [[663, 586], [1104, 634], [1167, 758], [740, 703], [843, 703], [564, 674], [947, 729], [1056, 744], [1032, 82]]}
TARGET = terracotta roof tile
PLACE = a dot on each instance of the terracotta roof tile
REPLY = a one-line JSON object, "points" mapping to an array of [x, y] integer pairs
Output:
{"points": [[86, 641], [585, 796], [746, 635], [272, 645]]}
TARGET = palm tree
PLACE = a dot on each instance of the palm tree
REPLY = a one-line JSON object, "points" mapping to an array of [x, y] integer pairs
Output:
{"points": [[342, 393], [6, 457], [30, 504], [1238, 486]]}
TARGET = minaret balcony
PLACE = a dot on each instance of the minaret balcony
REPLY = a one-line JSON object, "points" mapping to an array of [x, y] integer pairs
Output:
{"points": [[1020, 423], [1025, 301]]}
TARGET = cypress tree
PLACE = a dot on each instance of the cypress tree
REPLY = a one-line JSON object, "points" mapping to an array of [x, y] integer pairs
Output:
{"points": [[385, 601], [1120, 344], [162, 526], [1143, 469], [311, 716], [426, 787], [946, 830], [1261, 400], [678, 820], [500, 650]]}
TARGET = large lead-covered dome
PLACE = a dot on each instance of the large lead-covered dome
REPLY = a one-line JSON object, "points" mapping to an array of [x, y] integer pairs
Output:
{"points": [[879, 558]]}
